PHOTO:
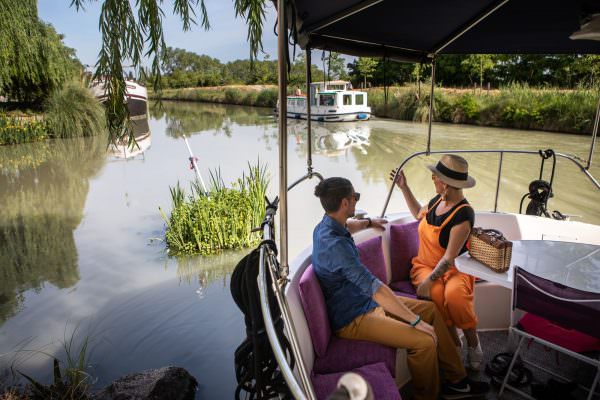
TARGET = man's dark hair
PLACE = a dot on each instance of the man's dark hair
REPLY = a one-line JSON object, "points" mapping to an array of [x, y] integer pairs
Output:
{"points": [[331, 191]]}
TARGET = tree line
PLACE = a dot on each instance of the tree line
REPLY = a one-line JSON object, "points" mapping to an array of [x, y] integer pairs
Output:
{"points": [[183, 68]]}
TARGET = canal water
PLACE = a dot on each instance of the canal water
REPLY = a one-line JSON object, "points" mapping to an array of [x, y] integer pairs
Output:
{"points": [[81, 237]]}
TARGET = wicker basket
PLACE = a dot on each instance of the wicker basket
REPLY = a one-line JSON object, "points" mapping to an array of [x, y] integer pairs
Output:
{"points": [[490, 247]]}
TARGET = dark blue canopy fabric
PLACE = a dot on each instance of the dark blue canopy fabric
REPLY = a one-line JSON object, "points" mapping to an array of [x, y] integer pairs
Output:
{"points": [[414, 30]]}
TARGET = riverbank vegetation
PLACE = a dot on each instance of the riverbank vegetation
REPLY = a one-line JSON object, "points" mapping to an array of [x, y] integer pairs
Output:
{"points": [[251, 95], [514, 106], [41, 91], [207, 223]]}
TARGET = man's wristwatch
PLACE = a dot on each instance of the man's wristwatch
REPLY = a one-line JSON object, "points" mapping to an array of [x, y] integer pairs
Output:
{"points": [[370, 222]]}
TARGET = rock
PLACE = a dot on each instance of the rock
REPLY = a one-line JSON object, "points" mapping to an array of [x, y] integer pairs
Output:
{"points": [[168, 383]]}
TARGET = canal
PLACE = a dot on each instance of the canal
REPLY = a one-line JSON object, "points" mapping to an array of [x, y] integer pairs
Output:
{"points": [[81, 247]]}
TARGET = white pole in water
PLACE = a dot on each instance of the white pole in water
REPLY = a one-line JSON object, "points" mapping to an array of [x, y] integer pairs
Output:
{"points": [[194, 165]]}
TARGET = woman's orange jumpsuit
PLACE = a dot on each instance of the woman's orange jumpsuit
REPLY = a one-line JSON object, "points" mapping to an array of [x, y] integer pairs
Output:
{"points": [[453, 292]]}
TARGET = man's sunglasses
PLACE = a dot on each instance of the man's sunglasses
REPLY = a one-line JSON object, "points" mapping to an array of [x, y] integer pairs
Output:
{"points": [[356, 196]]}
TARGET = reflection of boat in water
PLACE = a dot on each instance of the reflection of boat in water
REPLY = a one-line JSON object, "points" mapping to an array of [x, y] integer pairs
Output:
{"points": [[332, 140], [124, 150], [136, 97], [333, 101], [330, 143]]}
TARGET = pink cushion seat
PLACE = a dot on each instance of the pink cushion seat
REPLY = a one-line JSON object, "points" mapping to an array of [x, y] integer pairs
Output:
{"points": [[371, 255]]}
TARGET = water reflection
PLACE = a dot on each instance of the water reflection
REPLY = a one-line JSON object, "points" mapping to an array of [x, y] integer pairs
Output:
{"points": [[190, 118], [333, 139], [43, 187], [203, 271], [125, 151]]}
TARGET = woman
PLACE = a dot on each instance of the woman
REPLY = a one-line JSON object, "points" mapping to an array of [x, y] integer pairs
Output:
{"points": [[443, 232]]}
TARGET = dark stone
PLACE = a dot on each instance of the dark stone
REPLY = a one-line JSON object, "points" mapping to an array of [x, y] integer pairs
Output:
{"points": [[168, 383]]}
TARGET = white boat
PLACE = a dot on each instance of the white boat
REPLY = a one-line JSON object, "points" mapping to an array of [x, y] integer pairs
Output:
{"points": [[136, 97], [333, 101]]}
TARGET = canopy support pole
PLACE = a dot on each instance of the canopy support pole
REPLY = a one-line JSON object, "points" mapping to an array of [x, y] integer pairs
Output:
{"points": [[594, 135], [283, 205], [431, 102], [308, 112]]}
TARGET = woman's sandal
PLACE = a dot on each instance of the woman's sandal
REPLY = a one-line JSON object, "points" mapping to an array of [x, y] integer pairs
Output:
{"points": [[498, 366]]}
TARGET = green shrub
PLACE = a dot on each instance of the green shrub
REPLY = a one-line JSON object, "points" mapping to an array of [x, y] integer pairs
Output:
{"points": [[267, 98], [233, 96], [73, 112], [222, 219]]}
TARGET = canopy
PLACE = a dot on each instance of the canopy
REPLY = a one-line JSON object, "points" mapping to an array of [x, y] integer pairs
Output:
{"points": [[416, 30]]}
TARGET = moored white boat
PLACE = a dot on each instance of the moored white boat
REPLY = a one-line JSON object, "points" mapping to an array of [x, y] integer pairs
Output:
{"points": [[136, 98]]}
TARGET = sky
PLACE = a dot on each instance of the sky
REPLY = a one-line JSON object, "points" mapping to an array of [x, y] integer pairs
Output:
{"points": [[226, 40]]}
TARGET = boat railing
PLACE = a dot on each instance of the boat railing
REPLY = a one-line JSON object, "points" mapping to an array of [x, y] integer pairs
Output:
{"points": [[268, 264], [501, 152]]}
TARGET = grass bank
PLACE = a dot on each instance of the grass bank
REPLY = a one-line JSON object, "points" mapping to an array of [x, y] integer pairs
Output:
{"points": [[251, 95], [515, 106]]}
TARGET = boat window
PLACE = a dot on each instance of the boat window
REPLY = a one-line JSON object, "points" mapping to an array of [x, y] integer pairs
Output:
{"points": [[359, 99], [347, 99], [326, 99]]}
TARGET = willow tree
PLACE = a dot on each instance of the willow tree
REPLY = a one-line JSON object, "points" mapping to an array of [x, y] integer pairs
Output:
{"points": [[33, 60], [132, 31]]}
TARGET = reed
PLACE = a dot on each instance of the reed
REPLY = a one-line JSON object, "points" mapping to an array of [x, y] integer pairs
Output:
{"points": [[206, 224], [72, 112]]}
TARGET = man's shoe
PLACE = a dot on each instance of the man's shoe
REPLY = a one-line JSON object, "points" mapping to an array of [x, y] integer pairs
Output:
{"points": [[465, 389], [474, 357]]}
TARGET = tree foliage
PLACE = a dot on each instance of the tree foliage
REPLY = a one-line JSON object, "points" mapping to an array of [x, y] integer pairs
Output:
{"points": [[33, 60]]}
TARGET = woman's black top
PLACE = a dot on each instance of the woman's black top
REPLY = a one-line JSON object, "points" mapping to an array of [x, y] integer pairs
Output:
{"points": [[462, 215]]}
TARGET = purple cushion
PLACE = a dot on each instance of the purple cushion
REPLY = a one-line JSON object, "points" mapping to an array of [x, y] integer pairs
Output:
{"points": [[371, 255], [315, 311], [404, 288], [383, 384], [347, 354], [404, 245]]}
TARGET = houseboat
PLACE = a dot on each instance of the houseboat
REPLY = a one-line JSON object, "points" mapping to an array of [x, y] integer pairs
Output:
{"points": [[332, 101], [136, 98]]}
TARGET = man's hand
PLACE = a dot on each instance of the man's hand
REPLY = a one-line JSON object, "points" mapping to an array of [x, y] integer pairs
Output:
{"points": [[424, 289], [378, 223], [428, 329]]}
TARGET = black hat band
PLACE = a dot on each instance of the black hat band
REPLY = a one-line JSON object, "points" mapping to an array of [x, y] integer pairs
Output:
{"points": [[459, 176]]}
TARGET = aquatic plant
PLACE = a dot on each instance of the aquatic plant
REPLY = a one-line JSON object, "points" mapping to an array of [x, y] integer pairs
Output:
{"points": [[207, 223], [15, 130], [72, 111]]}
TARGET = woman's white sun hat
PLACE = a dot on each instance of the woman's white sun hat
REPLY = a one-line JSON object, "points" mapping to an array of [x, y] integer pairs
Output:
{"points": [[454, 171]]}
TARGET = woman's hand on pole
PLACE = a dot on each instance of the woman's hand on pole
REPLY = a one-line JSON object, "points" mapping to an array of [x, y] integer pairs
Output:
{"points": [[398, 178]]}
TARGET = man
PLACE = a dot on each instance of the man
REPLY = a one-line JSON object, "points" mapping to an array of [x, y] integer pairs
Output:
{"points": [[361, 307]]}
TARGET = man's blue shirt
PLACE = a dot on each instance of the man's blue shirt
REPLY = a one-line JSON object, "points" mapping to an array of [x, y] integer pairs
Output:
{"points": [[348, 286]]}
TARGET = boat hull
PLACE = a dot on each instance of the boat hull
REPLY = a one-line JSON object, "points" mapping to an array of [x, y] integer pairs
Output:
{"points": [[342, 117]]}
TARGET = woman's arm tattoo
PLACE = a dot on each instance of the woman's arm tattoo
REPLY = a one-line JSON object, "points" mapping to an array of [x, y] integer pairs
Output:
{"points": [[440, 269]]}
